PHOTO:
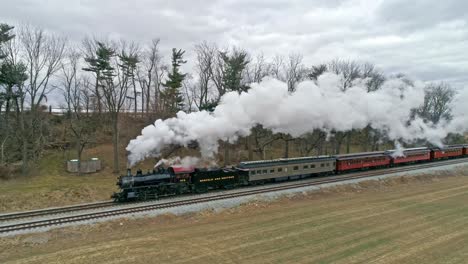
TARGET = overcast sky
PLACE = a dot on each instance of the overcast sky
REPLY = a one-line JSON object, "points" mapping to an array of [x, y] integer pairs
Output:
{"points": [[426, 39]]}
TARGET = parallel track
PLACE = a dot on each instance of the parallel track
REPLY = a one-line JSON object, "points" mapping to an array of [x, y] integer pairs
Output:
{"points": [[57, 210], [216, 197]]}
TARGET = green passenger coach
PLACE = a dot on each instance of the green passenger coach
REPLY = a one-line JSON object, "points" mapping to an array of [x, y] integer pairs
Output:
{"points": [[288, 169]]}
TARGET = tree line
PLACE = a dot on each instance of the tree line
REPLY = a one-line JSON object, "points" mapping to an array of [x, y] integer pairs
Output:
{"points": [[98, 78]]}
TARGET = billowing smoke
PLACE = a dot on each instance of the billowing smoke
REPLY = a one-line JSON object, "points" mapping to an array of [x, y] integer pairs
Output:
{"points": [[322, 105], [186, 162], [399, 150]]}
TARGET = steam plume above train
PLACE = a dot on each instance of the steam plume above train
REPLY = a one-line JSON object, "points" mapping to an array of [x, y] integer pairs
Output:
{"points": [[314, 105]]}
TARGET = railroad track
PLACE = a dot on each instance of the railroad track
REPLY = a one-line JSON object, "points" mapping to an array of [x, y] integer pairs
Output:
{"points": [[216, 197], [52, 211]]}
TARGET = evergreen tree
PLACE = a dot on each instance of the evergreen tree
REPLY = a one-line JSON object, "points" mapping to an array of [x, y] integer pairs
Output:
{"points": [[5, 36], [173, 100], [12, 77], [11, 74], [208, 106], [234, 67], [128, 65], [100, 65]]}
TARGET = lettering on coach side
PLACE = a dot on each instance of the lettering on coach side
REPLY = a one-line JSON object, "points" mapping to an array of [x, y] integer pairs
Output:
{"points": [[217, 179]]}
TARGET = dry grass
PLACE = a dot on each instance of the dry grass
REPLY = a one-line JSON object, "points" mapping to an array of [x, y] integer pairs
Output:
{"points": [[402, 220], [51, 185]]}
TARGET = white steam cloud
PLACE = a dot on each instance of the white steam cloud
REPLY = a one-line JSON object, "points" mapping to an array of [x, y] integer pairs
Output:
{"points": [[399, 150], [186, 162], [320, 105]]}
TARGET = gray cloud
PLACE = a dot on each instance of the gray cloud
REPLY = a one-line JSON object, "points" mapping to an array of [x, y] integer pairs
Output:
{"points": [[425, 39]]}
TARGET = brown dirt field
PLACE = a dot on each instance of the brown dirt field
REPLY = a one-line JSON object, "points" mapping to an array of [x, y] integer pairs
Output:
{"points": [[400, 220]]}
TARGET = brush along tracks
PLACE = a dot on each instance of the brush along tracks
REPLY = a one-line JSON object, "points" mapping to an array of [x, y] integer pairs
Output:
{"points": [[138, 208]]}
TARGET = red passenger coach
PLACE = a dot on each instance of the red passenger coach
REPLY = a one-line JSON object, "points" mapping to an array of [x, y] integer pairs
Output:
{"points": [[358, 161], [446, 152], [465, 150], [411, 155]]}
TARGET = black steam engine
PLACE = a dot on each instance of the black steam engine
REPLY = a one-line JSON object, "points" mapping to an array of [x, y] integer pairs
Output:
{"points": [[175, 181]]}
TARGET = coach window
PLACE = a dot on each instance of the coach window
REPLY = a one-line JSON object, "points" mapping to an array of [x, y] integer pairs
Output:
{"points": [[312, 166], [252, 173], [259, 172], [265, 171], [272, 171], [306, 166], [322, 165], [296, 168], [280, 169]]}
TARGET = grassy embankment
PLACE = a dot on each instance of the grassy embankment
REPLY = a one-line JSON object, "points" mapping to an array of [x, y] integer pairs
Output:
{"points": [[51, 185], [403, 220]]}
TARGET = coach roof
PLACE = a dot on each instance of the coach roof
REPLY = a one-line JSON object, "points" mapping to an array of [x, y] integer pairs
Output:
{"points": [[283, 161], [360, 155]]}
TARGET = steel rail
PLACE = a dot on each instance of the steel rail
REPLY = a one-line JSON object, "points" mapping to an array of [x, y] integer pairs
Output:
{"points": [[55, 210], [216, 197]]}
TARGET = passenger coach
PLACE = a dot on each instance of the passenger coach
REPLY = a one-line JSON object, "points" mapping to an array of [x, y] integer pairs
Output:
{"points": [[364, 160], [410, 155], [288, 169], [447, 152]]}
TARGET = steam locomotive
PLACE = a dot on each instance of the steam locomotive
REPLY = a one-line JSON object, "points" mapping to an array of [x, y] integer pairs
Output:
{"points": [[177, 180]]}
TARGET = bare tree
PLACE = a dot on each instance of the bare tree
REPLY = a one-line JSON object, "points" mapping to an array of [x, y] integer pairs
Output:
{"points": [[310, 141], [207, 55], [69, 78], [437, 102], [276, 67], [349, 70], [294, 71], [374, 77], [160, 72], [86, 93], [189, 92], [76, 96], [262, 138], [217, 72], [149, 74], [42, 53], [257, 69]]}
